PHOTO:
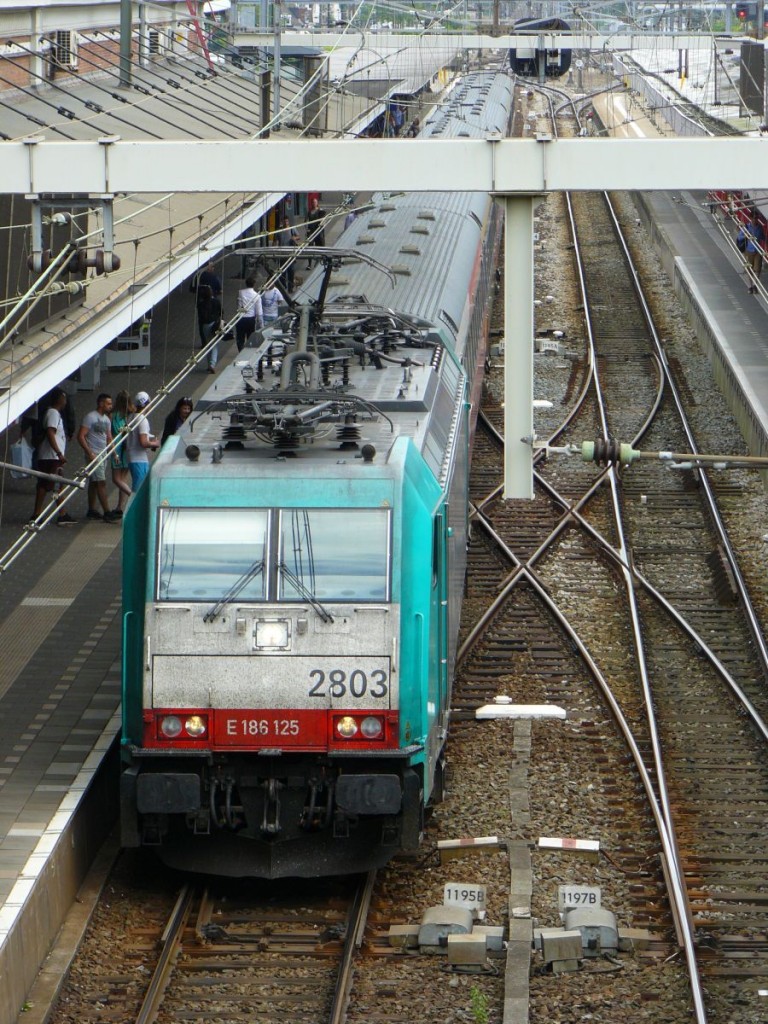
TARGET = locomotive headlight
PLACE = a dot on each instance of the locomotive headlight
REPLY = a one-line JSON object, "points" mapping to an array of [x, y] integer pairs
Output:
{"points": [[346, 727], [272, 633], [371, 727], [170, 726], [196, 726]]}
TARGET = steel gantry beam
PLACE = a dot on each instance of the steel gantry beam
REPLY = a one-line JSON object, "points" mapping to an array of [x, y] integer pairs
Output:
{"points": [[110, 165], [479, 40]]}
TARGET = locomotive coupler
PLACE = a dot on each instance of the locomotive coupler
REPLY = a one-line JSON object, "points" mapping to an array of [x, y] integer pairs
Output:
{"points": [[270, 823], [319, 806]]}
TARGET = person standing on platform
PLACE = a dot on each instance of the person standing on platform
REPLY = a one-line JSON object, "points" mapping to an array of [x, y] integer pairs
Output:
{"points": [[288, 238], [315, 230], [209, 321], [754, 233], [140, 443], [210, 279], [249, 304], [270, 304], [121, 473], [176, 418], [94, 435], [51, 454]]}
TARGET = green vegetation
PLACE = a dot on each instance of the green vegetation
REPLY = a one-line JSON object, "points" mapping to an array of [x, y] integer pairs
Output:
{"points": [[479, 1005]]}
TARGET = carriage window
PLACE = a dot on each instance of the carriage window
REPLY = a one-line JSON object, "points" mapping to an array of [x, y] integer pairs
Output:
{"points": [[205, 554], [334, 554]]}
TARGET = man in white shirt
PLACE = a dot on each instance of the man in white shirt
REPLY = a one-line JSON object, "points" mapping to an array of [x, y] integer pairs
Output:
{"points": [[249, 304], [50, 454]]}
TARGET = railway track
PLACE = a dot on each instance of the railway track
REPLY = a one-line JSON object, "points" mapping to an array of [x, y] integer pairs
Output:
{"points": [[688, 676], [230, 959], [287, 954]]}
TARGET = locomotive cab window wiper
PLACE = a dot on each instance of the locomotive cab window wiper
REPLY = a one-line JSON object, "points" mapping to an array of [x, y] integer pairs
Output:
{"points": [[307, 594], [234, 590]]}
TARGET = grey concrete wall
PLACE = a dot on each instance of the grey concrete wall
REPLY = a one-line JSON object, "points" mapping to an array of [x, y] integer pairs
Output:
{"points": [[53, 891]]}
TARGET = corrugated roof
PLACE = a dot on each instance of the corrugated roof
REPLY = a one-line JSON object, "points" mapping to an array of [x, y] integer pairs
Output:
{"points": [[172, 97]]}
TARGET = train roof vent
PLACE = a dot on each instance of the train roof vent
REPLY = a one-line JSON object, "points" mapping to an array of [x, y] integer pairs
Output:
{"points": [[463, 135], [425, 215], [450, 321], [387, 207], [410, 249], [339, 280], [376, 222], [419, 229], [400, 268], [366, 240]]}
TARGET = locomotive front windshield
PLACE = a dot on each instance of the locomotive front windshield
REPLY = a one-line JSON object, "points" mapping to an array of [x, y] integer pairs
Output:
{"points": [[335, 554], [252, 554], [206, 552]]}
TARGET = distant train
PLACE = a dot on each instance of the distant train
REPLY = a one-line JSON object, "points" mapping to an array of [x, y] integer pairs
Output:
{"points": [[532, 62], [293, 566]]}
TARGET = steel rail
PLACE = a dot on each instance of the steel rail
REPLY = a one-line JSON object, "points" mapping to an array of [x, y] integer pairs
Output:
{"points": [[572, 511], [171, 944], [679, 902], [714, 511], [678, 893], [358, 916], [672, 853], [613, 477], [757, 720], [678, 889]]}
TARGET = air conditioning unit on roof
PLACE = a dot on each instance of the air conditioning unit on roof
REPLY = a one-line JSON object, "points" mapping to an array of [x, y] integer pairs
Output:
{"points": [[64, 49], [159, 42]]}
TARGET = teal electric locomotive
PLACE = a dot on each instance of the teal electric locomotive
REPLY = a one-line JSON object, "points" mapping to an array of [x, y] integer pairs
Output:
{"points": [[293, 565]]}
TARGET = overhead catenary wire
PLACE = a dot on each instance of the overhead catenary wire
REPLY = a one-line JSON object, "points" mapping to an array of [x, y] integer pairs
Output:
{"points": [[145, 234], [144, 74], [138, 104], [27, 115], [97, 110]]}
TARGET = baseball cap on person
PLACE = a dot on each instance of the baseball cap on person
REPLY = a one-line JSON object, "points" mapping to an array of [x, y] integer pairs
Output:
{"points": [[141, 398]]}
